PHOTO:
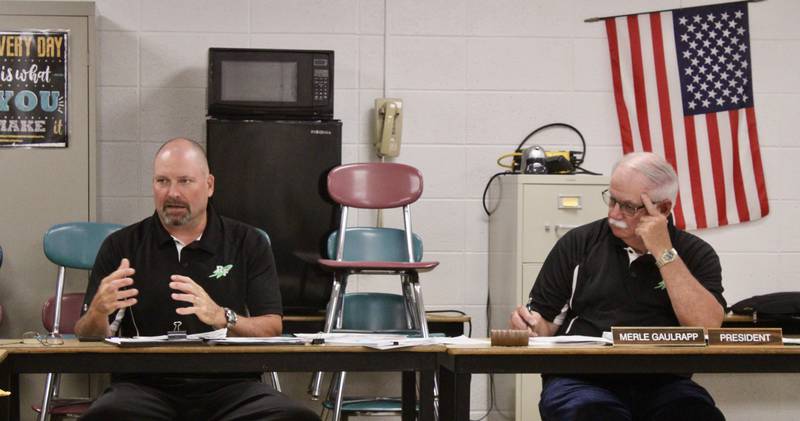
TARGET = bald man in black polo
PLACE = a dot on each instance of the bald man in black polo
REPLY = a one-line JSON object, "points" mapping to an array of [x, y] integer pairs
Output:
{"points": [[186, 264]]}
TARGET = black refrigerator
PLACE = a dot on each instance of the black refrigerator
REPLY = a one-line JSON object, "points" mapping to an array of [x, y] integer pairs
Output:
{"points": [[272, 174]]}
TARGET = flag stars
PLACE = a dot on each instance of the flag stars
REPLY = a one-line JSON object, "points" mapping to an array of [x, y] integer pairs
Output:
{"points": [[724, 15], [706, 103], [697, 18], [685, 38], [720, 102], [682, 20], [738, 14], [710, 17]]}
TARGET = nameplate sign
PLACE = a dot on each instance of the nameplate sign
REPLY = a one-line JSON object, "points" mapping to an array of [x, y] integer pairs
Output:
{"points": [[672, 336], [745, 336]]}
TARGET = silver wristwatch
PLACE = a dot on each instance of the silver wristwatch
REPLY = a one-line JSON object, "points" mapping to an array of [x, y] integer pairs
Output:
{"points": [[668, 256], [230, 317]]}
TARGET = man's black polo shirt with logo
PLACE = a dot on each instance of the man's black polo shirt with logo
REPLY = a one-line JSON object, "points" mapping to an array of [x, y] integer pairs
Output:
{"points": [[231, 261], [588, 283]]}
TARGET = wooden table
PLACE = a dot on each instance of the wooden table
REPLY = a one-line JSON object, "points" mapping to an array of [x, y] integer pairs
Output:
{"points": [[459, 362], [98, 357], [450, 325]]}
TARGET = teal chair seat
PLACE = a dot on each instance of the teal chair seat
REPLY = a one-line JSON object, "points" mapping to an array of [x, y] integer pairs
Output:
{"points": [[371, 406], [71, 245], [373, 312]]}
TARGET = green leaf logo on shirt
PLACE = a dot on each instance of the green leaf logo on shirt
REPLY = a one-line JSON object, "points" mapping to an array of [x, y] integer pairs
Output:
{"points": [[661, 285], [221, 271]]}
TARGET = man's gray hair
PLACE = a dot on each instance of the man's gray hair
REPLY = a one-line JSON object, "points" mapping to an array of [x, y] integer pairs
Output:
{"points": [[662, 177]]}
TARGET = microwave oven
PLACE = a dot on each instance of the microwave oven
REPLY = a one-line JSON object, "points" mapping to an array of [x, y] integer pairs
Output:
{"points": [[246, 83]]}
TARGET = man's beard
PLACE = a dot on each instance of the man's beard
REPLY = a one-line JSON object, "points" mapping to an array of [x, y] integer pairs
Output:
{"points": [[176, 221], [617, 223]]}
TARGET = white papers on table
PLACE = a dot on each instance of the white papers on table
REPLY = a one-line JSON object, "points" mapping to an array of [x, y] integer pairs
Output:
{"points": [[369, 340], [568, 340], [164, 340], [791, 341], [271, 340]]}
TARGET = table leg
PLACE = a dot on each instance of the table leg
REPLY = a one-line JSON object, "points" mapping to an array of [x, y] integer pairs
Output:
{"points": [[453, 395], [409, 387], [426, 404], [9, 381]]}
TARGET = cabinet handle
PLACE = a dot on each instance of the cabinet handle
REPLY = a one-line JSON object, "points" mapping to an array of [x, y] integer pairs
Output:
{"points": [[558, 227]]}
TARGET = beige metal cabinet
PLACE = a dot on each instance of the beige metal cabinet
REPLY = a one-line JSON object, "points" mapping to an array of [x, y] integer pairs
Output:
{"points": [[530, 213]]}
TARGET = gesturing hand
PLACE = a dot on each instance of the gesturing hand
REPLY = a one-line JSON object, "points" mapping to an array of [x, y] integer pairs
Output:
{"points": [[202, 305], [110, 296], [652, 228]]}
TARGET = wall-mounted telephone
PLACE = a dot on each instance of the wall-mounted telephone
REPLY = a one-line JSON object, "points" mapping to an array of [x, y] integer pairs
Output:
{"points": [[388, 126]]}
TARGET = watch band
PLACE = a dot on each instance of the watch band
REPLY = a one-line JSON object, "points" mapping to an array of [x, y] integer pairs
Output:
{"points": [[668, 256], [230, 318]]}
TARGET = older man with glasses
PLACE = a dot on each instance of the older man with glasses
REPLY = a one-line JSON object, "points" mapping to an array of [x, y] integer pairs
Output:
{"points": [[633, 268]]}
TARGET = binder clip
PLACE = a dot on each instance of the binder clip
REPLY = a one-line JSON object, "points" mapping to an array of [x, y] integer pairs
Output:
{"points": [[176, 333]]}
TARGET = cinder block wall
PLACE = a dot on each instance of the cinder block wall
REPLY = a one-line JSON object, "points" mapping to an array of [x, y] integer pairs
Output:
{"points": [[476, 77]]}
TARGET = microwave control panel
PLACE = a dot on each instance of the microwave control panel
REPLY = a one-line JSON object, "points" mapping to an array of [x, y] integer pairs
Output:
{"points": [[321, 80]]}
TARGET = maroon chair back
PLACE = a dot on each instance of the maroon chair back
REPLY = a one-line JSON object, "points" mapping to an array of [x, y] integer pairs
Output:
{"points": [[376, 185], [70, 312]]}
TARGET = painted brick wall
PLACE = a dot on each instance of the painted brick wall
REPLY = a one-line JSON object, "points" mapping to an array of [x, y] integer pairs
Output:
{"points": [[476, 77]]}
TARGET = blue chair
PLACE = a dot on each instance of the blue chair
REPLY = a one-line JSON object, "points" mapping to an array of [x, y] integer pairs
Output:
{"points": [[71, 245], [269, 376], [384, 251], [388, 313]]}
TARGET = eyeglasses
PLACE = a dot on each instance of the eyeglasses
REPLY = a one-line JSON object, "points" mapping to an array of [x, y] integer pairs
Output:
{"points": [[33, 338], [627, 208]]}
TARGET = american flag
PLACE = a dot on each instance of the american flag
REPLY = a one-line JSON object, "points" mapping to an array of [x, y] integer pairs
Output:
{"points": [[683, 89]]}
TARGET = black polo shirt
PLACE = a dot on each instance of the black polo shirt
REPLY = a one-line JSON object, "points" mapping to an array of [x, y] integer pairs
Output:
{"points": [[232, 262], [588, 283]]}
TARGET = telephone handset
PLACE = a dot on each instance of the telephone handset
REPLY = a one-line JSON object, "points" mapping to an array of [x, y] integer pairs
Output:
{"points": [[388, 126]]}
